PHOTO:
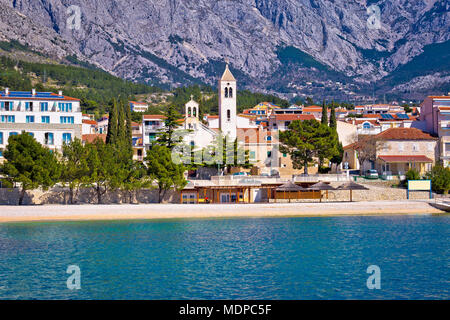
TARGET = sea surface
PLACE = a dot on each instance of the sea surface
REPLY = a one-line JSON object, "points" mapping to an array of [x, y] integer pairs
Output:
{"points": [[259, 258]]}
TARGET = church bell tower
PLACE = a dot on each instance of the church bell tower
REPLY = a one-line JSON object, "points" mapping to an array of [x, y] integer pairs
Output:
{"points": [[227, 104]]}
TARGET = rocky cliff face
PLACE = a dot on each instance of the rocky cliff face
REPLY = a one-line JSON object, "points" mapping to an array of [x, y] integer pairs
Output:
{"points": [[272, 45]]}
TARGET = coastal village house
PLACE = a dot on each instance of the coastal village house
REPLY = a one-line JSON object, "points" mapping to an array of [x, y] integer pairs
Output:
{"points": [[435, 112], [136, 106], [396, 151], [50, 118]]}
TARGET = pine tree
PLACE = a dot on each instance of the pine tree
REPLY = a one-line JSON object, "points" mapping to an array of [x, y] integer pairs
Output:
{"points": [[324, 113], [170, 125]]}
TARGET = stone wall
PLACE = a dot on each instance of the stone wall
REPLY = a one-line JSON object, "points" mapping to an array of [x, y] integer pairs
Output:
{"points": [[59, 195]]}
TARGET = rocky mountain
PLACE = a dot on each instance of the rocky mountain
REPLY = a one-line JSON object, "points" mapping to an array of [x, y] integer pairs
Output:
{"points": [[311, 47]]}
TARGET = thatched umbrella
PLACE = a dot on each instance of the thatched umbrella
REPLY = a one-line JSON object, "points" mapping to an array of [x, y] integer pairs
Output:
{"points": [[289, 187], [351, 186], [319, 186]]}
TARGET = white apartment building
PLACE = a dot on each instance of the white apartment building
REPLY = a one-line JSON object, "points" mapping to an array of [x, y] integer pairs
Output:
{"points": [[138, 106], [50, 118]]}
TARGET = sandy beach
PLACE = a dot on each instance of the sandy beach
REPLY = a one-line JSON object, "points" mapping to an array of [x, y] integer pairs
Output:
{"points": [[195, 211]]}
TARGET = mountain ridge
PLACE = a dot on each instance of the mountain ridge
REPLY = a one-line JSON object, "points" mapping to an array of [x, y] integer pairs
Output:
{"points": [[175, 43]]}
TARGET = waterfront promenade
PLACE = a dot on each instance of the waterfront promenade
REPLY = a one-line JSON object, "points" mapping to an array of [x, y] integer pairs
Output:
{"points": [[198, 211]]}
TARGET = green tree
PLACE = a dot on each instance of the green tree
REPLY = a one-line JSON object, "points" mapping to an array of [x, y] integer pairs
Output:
{"points": [[232, 155], [134, 180], [103, 167], [30, 164], [305, 140], [440, 178], [324, 119], [161, 169], [166, 136], [333, 123], [112, 135], [74, 167]]}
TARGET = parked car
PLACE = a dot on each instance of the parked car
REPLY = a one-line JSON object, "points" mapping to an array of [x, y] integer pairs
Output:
{"points": [[240, 174], [371, 174]]}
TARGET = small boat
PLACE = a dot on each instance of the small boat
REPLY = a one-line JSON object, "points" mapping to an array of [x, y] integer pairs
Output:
{"points": [[441, 205]]}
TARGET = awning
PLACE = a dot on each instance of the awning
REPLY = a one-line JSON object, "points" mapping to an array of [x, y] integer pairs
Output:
{"points": [[405, 159]]}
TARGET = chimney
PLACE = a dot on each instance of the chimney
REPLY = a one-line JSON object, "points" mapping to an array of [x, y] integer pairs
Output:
{"points": [[33, 92], [6, 91], [60, 93]]}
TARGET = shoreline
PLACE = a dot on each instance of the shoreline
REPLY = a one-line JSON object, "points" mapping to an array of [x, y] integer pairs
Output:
{"points": [[154, 211]]}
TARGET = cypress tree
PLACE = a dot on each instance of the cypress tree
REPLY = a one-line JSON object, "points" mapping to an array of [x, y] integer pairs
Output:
{"points": [[324, 119], [333, 123], [111, 136], [128, 143], [121, 131], [128, 122]]}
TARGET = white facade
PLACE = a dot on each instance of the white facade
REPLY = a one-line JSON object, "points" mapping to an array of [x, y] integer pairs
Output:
{"points": [[138, 106], [51, 118]]}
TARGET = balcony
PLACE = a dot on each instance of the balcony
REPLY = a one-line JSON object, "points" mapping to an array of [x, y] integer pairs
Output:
{"points": [[154, 127]]}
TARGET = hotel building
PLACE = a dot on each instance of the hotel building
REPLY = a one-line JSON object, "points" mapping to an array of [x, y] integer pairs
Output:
{"points": [[52, 119]]}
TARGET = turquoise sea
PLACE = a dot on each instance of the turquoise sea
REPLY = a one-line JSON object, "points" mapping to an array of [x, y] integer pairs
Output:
{"points": [[270, 258]]}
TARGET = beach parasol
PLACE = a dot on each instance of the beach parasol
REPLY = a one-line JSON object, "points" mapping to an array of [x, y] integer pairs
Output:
{"points": [[351, 186], [289, 187], [319, 186]]}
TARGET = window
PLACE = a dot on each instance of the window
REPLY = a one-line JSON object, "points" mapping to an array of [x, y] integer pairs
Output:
{"points": [[415, 147], [1, 137], [152, 136], [28, 106], [447, 147], [44, 106], [401, 147], [284, 155], [31, 134], [366, 125], [65, 107], [287, 123], [9, 119], [45, 119], [1, 153], [226, 92], [6, 105], [66, 119], [13, 134], [49, 140], [230, 92], [252, 155], [228, 115], [269, 138], [67, 137], [29, 119], [269, 154]]}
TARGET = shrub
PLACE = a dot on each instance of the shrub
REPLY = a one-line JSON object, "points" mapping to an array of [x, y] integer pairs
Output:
{"points": [[440, 179], [412, 174]]}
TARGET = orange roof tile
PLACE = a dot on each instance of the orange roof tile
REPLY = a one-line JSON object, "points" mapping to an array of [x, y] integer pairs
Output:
{"points": [[404, 134], [154, 116], [405, 158], [90, 138], [291, 117]]}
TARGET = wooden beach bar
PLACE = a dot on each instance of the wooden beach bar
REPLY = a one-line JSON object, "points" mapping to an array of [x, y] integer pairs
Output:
{"points": [[247, 191]]}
